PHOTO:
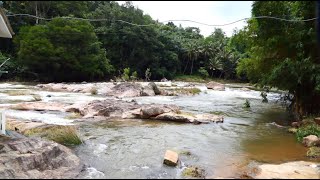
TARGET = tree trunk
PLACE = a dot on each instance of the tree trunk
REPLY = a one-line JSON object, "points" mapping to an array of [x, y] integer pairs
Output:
{"points": [[185, 68], [37, 19], [191, 66]]}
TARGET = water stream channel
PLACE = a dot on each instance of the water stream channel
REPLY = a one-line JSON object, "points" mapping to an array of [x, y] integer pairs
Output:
{"points": [[135, 148]]}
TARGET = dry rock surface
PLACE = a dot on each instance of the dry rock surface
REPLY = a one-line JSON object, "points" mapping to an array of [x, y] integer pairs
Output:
{"points": [[290, 170], [35, 158]]}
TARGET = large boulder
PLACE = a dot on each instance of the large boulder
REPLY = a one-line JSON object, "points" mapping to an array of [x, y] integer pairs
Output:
{"points": [[126, 90], [155, 110], [310, 140], [107, 108], [215, 86], [290, 170], [35, 159]]}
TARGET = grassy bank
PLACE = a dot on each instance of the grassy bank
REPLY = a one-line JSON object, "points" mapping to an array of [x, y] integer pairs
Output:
{"points": [[200, 79], [66, 135]]}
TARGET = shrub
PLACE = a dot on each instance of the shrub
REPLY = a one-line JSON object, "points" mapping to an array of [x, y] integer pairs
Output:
{"points": [[309, 129], [125, 76], [134, 76], [203, 72]]}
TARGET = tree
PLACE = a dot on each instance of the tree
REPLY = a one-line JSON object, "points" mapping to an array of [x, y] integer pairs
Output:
{"points": [[62, 50], [284, 54]]}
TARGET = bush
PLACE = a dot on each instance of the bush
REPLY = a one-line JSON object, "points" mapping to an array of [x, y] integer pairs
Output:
{"points": [[309, 129], [203, 72], [134, 76], [125, 76]]}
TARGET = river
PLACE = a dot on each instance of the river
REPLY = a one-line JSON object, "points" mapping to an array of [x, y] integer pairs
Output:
{"points": [[135, 148]]}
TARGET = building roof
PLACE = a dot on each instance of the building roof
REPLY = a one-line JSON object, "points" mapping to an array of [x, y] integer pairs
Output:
{"points": [[5, 28]]}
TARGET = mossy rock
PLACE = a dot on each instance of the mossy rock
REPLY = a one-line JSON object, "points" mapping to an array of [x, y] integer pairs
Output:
{"points": [[292, 130], [314, 152], [194, 172]]}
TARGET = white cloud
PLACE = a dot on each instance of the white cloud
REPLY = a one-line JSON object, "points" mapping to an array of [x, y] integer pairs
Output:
{"points": [[208, 12]]}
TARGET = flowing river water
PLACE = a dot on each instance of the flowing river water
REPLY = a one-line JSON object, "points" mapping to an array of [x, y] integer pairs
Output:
{"points": [[135, 148]]}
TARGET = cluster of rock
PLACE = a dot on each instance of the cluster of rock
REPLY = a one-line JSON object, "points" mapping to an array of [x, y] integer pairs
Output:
{"points": [[132, 110]]}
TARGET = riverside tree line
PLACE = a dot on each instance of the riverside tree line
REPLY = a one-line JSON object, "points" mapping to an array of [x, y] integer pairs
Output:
{"points": [[266, 51]]}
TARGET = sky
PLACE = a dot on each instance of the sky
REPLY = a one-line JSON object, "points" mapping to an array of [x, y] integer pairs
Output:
{"points": [[208, 12]]}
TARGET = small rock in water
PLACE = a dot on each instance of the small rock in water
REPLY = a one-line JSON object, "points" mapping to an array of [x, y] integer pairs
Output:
{"points": [[171, 158], [48, 95]]}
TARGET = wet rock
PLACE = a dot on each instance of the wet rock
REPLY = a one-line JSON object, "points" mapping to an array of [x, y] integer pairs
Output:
{"points": [[155, 88], [35, 158], [309, 141], [107, 108], [314, 152], [147, 91], [215, 86], [22, 126], [155, 110], [171, 158], [290, 170], [189, 118], [39, 106], [296, 124], [194, 172], [132, 110]]}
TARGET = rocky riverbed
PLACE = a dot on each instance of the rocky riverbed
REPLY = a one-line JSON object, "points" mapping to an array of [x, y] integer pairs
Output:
{"points": [[127, 127]]}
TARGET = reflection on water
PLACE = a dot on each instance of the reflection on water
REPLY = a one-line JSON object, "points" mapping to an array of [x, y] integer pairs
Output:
{"points": [[135, 148]]}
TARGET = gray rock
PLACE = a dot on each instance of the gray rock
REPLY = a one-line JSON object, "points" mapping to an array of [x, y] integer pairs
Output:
{"points": [[215, 86], [35, 158], [310, 140]]}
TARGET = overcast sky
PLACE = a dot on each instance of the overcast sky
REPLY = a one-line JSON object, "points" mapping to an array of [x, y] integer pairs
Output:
{"points": [[209, 12]]}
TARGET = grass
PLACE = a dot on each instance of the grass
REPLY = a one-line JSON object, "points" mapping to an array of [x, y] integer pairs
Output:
{"points": [[192, 91], [314, 152], [17, 92], [74, 115], [190, 78], [308, 129], [66, 135]]}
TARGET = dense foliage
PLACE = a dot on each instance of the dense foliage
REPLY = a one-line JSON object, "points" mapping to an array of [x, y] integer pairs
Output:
{"points": [[67, 50], [284, 54]]}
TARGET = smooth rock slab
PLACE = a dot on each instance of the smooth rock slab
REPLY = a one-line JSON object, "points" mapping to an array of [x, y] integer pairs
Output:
{"points": [[291, 170]]}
